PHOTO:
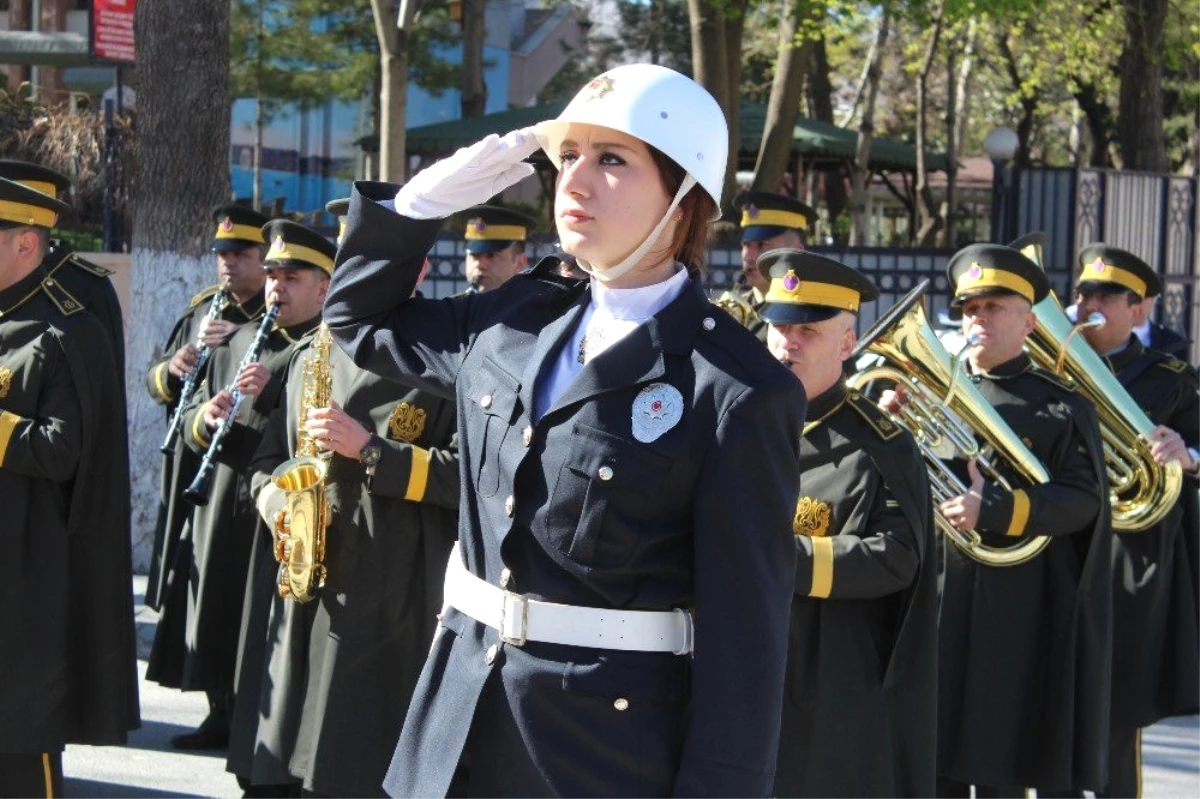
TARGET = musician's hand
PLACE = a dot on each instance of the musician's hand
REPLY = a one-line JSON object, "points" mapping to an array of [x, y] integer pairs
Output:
{"points": [[963, 511], [892, 400], [253, 379], [217, 409], [215, 331], [336, 431], [1169, 446], [184, 360]]}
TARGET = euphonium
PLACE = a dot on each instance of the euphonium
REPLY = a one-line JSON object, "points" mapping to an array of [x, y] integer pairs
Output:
{"points": [[300, 526], [742, 312], [1143, 492], [945, 410]]}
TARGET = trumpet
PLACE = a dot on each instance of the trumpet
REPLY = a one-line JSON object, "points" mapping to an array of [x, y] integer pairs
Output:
{"points": [[944, 410], [198, 492], [215, 309]]}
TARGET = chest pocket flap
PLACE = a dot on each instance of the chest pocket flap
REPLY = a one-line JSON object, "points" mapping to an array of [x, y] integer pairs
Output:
{"points": [[494, 392], [615, 461]]}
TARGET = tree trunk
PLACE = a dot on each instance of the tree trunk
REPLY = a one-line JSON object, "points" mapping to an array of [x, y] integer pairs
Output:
{"points": [[949, 211], [710, 64], [820, 103], [1140, 115], [775, 150], [860, 175], [393, 85], [1098, 117], [182, 172], [474, 89], [258, 110], [1029, 101], [735, 23], [963, 85], [928, 220]]}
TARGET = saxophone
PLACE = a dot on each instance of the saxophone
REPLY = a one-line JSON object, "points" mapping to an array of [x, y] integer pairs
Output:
{"points": [[300, 526]]}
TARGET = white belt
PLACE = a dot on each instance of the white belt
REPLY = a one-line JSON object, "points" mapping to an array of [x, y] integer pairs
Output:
{"points": [[520, 619]]}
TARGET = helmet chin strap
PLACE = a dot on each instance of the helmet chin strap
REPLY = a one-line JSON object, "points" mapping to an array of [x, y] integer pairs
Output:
{"points": [[611, 273]]}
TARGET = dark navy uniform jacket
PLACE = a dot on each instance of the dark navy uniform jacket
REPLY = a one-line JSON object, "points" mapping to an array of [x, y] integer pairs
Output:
{"points": [[698, 518]]}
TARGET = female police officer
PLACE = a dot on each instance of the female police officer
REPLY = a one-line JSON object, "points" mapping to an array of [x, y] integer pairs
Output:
{"points": [[629, 460]]}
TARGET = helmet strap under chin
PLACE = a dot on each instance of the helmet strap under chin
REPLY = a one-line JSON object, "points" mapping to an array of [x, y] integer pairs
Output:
{"points": [[611, 273]]}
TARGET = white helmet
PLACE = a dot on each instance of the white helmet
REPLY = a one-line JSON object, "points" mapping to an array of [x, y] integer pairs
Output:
{"points": [[663, 108]]}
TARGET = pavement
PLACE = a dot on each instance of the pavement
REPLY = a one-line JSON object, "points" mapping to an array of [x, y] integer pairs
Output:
{"points": [[147, 766]]}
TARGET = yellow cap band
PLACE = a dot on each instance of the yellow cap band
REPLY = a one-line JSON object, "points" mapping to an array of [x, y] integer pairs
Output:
{"points": [[775, 217], [982, 277], [282, 251], [23, 214], [495, 233], [48, 189], [810, 292], [1099, 270], [244, 232]]}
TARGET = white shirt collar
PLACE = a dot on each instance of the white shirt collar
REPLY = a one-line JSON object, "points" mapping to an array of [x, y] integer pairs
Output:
{"points": [[640, 303]]}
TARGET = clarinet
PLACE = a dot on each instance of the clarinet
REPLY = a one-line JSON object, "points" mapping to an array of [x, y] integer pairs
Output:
{"points": [[215, 309], [197, 493]]}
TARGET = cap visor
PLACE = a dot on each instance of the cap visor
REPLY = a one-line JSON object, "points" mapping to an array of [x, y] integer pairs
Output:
{"points": [[762, 232], [1101, 287], [987, 291], [487, 245], [781, 313], [233, 245]]}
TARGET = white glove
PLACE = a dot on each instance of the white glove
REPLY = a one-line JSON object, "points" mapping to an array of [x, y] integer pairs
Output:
{"points": [[471, 176]]}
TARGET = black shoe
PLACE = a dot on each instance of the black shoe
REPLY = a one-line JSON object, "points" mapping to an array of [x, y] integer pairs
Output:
{"points": [[213, 733]]}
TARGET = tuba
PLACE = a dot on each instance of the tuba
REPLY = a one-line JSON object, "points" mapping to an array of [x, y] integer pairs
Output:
{"points": [[1142, 491], [945, 411], [300, 526]]}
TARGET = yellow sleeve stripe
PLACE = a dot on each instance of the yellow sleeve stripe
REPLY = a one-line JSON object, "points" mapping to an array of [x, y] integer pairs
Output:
{"points": [[8, 423], [822, 568], [418, 475], [160, 383], [1020, 513], [199, 431]]}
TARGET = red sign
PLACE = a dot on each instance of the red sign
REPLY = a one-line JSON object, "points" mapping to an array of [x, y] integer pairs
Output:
{"points": [[112, 30]]}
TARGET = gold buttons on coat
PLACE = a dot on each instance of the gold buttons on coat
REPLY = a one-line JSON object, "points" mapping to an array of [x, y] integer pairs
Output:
{"points": [[527, 435], [509, 505], [485, 401], [489, 657], [621, 704], [605, 473]]}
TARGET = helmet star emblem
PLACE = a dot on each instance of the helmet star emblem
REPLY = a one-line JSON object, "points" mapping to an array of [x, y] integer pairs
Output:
{"points": [[599, 87]]}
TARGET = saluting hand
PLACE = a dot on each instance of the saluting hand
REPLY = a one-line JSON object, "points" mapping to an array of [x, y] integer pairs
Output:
{"points": [[215, 331], [1169, 446], [253, 379], [217, 409], [334, 430], [184, 360], [963, 511]]}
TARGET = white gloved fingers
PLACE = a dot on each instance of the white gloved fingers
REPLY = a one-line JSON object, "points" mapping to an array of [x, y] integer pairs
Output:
{"points": [[469, 177]]}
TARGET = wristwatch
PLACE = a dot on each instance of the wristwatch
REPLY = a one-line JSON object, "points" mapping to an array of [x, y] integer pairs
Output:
{"points": [[370, 454]]}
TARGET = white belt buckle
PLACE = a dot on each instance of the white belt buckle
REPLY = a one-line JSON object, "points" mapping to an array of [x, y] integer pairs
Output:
{"points": [[514, 618]]}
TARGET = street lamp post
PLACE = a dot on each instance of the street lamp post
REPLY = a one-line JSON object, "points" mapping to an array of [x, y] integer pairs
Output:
{"points": [[1001, 145]]}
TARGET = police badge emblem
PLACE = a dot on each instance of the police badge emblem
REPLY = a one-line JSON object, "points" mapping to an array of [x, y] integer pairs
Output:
{"points": [[657, 408], [406, 423], [6, 376], [812, 517]]}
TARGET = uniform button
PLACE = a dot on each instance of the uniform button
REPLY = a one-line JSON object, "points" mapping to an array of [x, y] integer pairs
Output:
{"points": [[709, 323], [605, 473], [489, 657], [505, 578], [485, 401], [621, 704], [527, 436], [509, 505]]}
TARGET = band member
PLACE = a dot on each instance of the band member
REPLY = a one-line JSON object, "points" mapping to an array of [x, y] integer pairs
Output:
{"points": [[222, 531], [1155, 629], [1024, 650], [769, 221], [862, 656], [606, 429], [495, 244], [393, 478], [77, 278], [1156, 336], [211, 318], [66, 604]]}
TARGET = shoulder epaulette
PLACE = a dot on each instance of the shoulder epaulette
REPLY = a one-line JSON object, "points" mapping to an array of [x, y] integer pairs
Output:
{"points": [[96, 270], [877, 419], [1173, 365], [1051, 377], [62, 299], [202, 296]]}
